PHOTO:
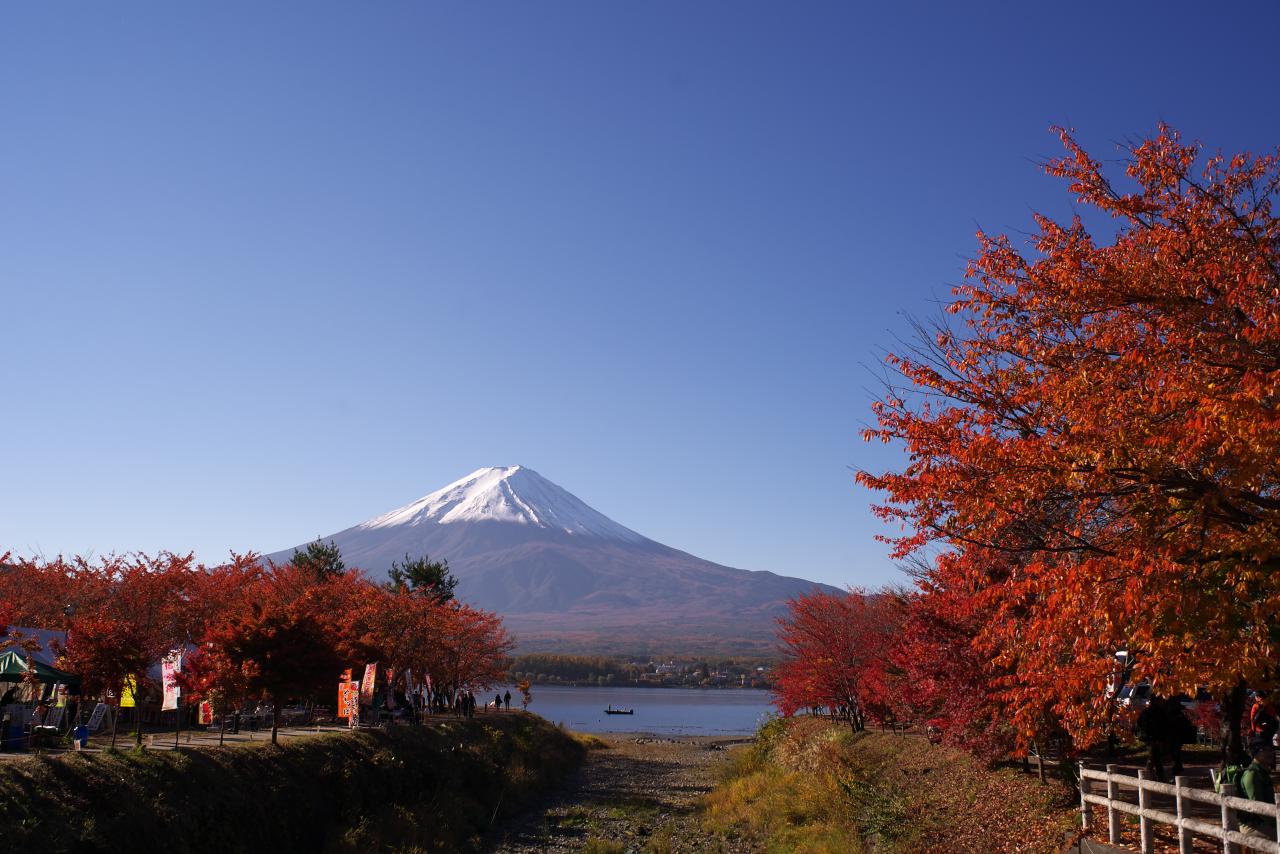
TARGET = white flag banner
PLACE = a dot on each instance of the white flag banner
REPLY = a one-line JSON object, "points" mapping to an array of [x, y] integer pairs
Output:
{"points": [[169, 670]]}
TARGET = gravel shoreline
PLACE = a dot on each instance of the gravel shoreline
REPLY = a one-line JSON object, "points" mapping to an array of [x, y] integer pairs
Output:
{"points": [[642, 792]]}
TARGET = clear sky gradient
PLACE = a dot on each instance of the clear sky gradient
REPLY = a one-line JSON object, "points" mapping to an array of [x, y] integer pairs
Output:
{"points": [[270, 269]]}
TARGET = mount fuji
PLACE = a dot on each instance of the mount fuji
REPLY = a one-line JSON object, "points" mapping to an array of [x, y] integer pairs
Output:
{"points": [[568, 578]]}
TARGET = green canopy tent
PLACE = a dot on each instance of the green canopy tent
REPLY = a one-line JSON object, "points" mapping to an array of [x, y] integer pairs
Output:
{"points": [[13, 668]]}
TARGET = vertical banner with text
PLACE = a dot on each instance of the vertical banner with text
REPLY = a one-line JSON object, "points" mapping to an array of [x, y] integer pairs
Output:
{"points": [[169, 670], [368, 683], [348, 699]]}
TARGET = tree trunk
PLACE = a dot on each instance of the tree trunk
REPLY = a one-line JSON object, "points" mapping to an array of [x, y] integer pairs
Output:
{"points": [[222, 728], [275, 721], [1233, 752], [137, 724], [115, 721]]}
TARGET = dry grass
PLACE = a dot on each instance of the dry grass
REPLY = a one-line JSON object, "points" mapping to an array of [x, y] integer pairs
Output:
{"points": [[588, 741], [782, 801], [807, 786]]}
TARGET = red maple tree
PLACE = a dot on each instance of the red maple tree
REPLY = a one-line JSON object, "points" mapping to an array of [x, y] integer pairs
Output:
{"points": [[835, 651], [1097, 444]]}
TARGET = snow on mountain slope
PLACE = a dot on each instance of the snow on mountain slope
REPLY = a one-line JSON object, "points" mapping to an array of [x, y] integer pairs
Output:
{"points": [[557, 570], [506, 494]]}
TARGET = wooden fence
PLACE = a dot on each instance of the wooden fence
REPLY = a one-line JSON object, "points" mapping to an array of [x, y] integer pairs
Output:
{"points": [[1225, 829]]}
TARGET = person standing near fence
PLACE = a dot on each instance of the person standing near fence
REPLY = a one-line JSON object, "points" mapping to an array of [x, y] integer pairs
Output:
{"points": [[1179, 730], [1150, 728], [1255, 784], [1263, 722]]}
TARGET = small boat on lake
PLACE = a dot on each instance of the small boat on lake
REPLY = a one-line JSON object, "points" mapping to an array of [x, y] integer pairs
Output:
{"points": [[610, 710]]}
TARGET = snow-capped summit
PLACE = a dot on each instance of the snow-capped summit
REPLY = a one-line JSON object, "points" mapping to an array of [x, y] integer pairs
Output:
{"points": [[506, 494], [565, 576]]}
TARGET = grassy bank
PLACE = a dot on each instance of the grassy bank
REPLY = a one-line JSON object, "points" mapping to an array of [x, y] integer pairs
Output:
{"points": [[431, 789], [809, 786]]}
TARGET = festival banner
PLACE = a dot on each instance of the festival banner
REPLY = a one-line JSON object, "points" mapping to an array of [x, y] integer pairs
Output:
{"points": [[348, 699], [206, 713], [169, 670], [368, 684]]}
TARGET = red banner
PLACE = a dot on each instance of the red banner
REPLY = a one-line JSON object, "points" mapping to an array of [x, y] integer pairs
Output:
{"points": [[368, 684], [348, 699]]}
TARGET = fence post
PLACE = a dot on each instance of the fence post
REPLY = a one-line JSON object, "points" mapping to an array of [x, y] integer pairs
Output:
{"points": [[1084, 805], [1184, 835], [1228, 819], [1113, 815], [1144, 826]]}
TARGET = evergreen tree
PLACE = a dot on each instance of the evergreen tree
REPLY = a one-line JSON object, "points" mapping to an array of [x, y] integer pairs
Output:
{"points": [[423, 575], [323, 560]]}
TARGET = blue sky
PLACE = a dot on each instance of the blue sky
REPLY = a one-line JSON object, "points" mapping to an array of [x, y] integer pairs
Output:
{"points": [[271, 269]]}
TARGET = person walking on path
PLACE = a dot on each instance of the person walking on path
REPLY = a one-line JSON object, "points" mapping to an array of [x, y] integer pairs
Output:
{"points": [[1263, 721], [1179, 730], [506, 699], [1255, 784], [1164, 727], [497, 702], [1150, 729]]}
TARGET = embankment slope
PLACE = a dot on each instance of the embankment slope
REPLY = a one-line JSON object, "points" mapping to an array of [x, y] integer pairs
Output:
{"points": [[809, 785], [434, 788]]}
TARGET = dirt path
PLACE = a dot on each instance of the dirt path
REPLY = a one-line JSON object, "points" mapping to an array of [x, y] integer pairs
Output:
{"points": [[639, 795]]}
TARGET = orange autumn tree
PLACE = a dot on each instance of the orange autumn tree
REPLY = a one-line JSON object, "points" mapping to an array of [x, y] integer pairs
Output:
{"points": [[272, 637], [130, 611], [1095, 443], [465, 647]]}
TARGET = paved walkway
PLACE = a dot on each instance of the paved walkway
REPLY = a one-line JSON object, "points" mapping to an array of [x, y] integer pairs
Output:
{"points": [[164, 740]]}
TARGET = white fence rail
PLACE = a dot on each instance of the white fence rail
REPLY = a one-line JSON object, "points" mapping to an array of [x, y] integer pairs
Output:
{"points": [[1226, 829]]}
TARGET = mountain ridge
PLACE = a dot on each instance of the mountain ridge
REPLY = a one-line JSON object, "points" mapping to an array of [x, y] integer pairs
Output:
{"points": [[555, 568]]}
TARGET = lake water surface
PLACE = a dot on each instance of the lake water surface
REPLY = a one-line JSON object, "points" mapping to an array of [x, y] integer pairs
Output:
{"points": [[662, 711]]}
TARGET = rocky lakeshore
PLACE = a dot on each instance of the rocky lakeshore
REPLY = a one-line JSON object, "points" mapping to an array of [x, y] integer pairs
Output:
{"points": [[634, 793]]}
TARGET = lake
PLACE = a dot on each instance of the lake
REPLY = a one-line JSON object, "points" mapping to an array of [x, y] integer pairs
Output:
{"points": [[661, 711]]}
